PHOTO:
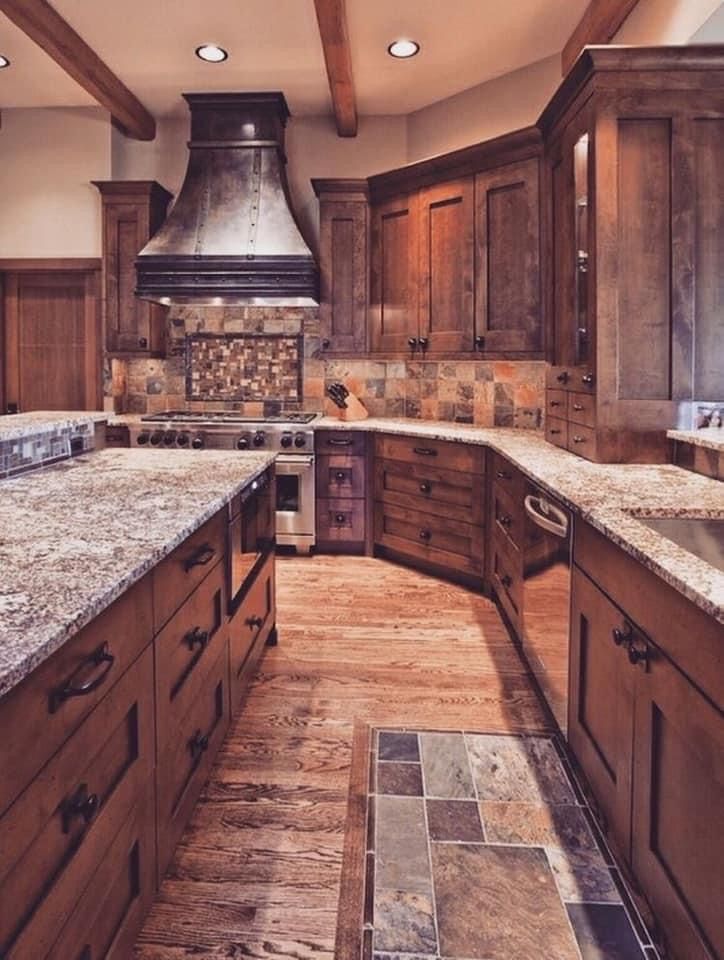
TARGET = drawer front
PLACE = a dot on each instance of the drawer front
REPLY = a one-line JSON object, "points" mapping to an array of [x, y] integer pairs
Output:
{"points": [[556, 403], [341, 520], [507, 516], [55, 835], [557, 432], [582, 409], [176, 576], [582, 440], [439, 453], [252, 623], [447, 543], [507, 580], [577, 379], [425, 487], [341, 477], [186, 649], [109, 915], [340, 441], [508, 477], [184, 767], [50, 705]]}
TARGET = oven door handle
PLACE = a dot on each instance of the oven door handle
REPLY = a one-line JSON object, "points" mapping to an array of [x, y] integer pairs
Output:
{"points": [[303, 460], [558, 529]]}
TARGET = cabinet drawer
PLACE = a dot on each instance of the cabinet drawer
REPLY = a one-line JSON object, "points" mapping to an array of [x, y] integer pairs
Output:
{"points": [[556, 403], [508, 477], [184, 767], [557, 432], [176, 576], [507, 580], [108, 916], [582, 440], [55, 835], [442, 493], [582, 409], [339, 441], [341, 520], [341, 476], [447, 543], [251, 625], [463, 457], [45, 709], [507, 516], [185, 650]]}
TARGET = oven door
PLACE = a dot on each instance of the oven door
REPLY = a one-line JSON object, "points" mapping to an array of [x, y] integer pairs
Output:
{"points": [[295, 501], [251, 534]]}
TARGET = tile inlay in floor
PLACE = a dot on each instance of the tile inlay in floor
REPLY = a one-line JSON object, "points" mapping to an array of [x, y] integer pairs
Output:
{"points": [[479, 848]]}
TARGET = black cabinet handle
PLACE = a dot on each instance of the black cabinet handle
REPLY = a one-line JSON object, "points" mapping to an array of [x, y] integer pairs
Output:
{"points": [[255, 622], [479, 343], [200, 557], [339, 442], [198, 744], [578, 439], [340, 517], [506, 520], [425, 535], [638, 656], [326, 343], [196, 638], [425, 451], [578, 406], [563, 377], [340, 476], [556, 403], [82, 804], [423, 341], [587, 378], [412, 342], [142, 343], [506, 581], [555, 432], [622, 635], [503, 475], [103, 658], [425, 487]]}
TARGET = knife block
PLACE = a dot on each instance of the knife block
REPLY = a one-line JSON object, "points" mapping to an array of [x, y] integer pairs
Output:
{"points": [[355, 410]]}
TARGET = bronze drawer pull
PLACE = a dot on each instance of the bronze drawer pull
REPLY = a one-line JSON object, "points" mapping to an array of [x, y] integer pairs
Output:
{"points": [[425, 451], [555, 432], [578, 406], [622, 636], [102, 657], [196, 637], [578, 439], [563, 377], [556, 403], [587, 378], [198, 744], [503, 475], [255, 622], [200, 557], [336, 442], [425, 535], [425, 487], [639, 656], [82, 804]]}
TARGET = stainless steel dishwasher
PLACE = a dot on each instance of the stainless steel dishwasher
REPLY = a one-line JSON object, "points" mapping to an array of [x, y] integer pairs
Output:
{"points": [[547, 597]]}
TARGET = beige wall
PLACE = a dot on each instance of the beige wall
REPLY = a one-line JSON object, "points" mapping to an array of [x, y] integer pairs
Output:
{"points": [[47, 159], [665, 21]]}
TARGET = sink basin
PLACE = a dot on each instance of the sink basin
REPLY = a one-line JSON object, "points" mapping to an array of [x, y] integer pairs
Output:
{"points": [[702, 537]]}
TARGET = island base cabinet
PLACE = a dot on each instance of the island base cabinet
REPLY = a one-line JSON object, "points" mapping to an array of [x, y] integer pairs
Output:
{"points": [[678, 834], [249, 629]]}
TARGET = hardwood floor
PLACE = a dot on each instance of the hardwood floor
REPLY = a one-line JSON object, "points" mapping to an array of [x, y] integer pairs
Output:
{"points": [[257, 873]]}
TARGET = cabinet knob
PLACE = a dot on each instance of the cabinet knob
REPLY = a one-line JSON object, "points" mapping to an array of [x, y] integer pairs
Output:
{"points": [[506, 520], [423, 342], [326, 343], [638, 656], [563, 377], [425, 535], [588, 379], [412, 341], [506, 581], [578, 439], [340, 517], [255, 622], [196, 637], [502, 475], [82, 804], [480, 343], [578, 406], [143, 343], [425, 487], [622, 635], [198, 744], [340, 476], [556, 403]]}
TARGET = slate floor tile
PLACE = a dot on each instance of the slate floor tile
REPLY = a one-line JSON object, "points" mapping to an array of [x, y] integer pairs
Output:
{"points": [[446, 767], [454, 820], [498, 903], [603, 932], [518, 769], [583, 876], [402, 861], [562, 826], [404, 922], [401, 779], [398, 746]]}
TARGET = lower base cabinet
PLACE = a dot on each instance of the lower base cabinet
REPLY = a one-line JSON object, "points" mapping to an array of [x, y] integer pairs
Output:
{"points": [[250, 628]]}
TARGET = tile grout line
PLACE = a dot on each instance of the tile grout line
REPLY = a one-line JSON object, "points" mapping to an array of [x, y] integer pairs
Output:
{"points": [[438, 945]]}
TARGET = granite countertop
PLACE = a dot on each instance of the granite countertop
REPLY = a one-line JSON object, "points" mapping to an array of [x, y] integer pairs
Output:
{"points": [[75, 536], [609, 496], [710, 437], [16, 425]]}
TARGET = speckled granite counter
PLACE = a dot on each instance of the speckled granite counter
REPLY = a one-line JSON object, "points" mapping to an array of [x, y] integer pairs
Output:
{"points": [[16, 425], [609, 496], [75, 536], [711, 438]]}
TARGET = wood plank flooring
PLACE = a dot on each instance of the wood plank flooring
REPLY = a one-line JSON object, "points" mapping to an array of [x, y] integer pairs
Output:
{"points": [[257, 873]]}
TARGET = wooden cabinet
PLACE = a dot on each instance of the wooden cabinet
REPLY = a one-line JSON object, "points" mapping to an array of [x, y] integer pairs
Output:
{"points": [[343, 268], [133, 210], [341, 489], [634, 144], [394, 275], [252, 625], [506, 536]]}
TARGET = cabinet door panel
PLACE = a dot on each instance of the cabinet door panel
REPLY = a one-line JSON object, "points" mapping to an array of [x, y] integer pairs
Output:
{"points": [[678, 842], [447, 265], [394, 274], [600, 721], [508, 283], [343, 258]]}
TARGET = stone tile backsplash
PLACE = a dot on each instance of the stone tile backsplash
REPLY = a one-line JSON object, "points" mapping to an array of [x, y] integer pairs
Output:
{"points": [[486, 393], [44, 448]]}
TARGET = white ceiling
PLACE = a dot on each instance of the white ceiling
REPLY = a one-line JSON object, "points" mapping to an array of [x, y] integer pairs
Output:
{"points": [[275, 45]]}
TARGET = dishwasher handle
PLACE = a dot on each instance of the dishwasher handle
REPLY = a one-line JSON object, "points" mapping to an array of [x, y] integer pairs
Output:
{"points": [[556, 523]]}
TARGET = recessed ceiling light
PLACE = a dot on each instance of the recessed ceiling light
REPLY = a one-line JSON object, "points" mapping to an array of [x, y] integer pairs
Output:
{"points": [[403, 49], [211, 53], [4, 62]]}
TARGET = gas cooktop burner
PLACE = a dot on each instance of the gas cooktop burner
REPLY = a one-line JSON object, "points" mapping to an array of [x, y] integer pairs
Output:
{"points": [[225, 417]]}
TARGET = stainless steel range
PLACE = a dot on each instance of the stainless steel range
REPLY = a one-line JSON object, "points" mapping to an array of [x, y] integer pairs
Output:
{"points": [[290, 435]]}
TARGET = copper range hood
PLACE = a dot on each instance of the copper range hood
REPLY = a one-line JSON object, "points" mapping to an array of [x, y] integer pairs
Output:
{"points": [[231, 237]]}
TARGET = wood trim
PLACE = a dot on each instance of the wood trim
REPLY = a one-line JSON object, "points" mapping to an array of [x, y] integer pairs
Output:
{"points": [[133, 189], [332, 20], [39, 21], [600, 23], [340, 185], [31, 264]]}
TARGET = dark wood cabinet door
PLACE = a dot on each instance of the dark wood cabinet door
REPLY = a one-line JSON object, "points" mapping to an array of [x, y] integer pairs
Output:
{"points": [[508, 313], [601, 707], [394, 274], [343, 229], [446, 276], [678, 841]]}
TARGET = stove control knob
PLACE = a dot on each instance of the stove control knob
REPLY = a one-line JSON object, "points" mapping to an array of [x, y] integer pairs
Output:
{"points": [[242, 443], [182, 440], [259, 438], [142, 438], [198, 442], [169, 438], [300, 440], [156, 438], [286, 440]]}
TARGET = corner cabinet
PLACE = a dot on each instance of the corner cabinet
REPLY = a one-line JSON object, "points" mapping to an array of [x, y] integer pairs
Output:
{"points": [[133, 210]]}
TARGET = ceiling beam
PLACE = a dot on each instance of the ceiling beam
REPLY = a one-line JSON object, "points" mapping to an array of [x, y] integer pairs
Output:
{"points": [[600, 23], [58, 39], [332, 21]]}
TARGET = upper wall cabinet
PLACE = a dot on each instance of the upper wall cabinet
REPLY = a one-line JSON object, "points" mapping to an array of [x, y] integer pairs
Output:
{"points": [[343, 243], [133, 210], [394, 275]]}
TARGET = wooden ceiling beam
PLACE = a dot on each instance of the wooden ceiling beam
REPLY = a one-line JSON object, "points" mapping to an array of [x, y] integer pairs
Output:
{"points": [[332, 20], [58, 39], [600, 23]]}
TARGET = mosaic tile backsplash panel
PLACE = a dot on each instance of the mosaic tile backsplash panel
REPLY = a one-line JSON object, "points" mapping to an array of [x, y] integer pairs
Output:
{"points": [[243, 367]]}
